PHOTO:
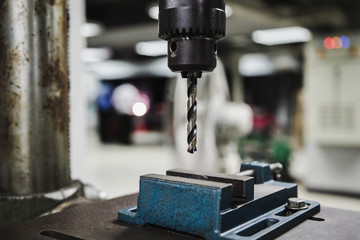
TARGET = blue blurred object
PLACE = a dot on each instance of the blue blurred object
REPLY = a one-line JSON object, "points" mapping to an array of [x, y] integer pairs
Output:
{"points": [[104, 98]]}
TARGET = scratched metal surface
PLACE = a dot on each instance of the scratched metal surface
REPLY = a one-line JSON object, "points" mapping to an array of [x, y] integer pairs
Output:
{"points": [[97, 220]]}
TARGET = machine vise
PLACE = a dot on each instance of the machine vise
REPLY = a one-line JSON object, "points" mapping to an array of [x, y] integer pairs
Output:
{"points": [[220, 206]]}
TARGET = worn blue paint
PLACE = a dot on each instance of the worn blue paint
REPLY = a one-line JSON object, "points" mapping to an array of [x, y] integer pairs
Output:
{"points": [[204, 208], [188, 207]]}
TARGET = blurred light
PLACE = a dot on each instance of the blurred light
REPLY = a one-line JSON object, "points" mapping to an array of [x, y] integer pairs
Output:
{"points": [[329, 43], [91, 30], [104, 98], [116, 69], [282, 36], [139, 109], [284, 62], [127, 99], [123, 98], [96, 54], [154, 12], [336, 42], [151, 48], [255, 65], [228, 11], [112, 69], [345, 41]]}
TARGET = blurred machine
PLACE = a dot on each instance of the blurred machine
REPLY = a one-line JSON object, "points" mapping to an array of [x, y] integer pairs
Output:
{"points": [[332, 113]]}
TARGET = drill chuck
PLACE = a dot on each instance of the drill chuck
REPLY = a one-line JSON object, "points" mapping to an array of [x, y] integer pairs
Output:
{"points": [[192, 28]]}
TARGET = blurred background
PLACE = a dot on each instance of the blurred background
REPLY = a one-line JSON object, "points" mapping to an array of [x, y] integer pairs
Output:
{"points": [[285, 90]]}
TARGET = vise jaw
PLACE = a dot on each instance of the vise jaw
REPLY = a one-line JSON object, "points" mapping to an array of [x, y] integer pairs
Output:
{"points": [[218, 206]]}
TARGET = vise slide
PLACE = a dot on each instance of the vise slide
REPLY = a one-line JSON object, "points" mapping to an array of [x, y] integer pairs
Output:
{"points": [[220, 206]]}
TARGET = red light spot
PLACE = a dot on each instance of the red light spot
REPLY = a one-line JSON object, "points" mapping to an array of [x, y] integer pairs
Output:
{"points": [[329, 43]]}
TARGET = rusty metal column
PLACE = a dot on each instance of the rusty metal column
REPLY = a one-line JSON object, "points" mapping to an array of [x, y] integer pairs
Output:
{"points": [[34, 96]]}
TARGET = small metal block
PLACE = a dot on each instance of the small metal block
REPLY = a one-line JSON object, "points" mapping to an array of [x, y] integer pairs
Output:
{"points": [[262, 170], [296, 204]]}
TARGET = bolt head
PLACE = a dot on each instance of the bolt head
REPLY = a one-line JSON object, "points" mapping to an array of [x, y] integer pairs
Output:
{"points": [[296, 204]]}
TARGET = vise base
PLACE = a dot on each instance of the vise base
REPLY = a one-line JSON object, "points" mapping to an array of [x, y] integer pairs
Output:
{"points": [[208, 205]]}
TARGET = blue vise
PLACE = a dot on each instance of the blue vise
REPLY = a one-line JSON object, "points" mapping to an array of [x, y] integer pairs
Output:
{"points": [[218, 206]]}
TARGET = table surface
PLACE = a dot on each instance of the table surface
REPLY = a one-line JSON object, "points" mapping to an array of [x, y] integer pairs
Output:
{"points": [[98, 220]]}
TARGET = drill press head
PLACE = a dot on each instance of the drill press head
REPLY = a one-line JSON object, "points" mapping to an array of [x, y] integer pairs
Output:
{"points": [[192, 28]]}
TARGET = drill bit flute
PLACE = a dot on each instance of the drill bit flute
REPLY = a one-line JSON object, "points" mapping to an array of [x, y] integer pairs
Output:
{"points": [[192, 114], [192, 28]]}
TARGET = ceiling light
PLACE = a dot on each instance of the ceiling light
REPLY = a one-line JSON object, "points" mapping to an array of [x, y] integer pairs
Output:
{"points": [[282, 36], [112, 69], [139, 109], [228, 11], [151, 48], [96, 54], [256, 64], [154, 12], [123, 98], [91, 29]]}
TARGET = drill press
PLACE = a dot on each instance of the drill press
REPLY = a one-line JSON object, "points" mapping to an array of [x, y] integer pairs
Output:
{"points": [[192, 28], [247, 205]]}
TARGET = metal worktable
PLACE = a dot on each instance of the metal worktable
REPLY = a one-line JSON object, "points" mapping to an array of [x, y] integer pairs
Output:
{"points": [[98, 220]]}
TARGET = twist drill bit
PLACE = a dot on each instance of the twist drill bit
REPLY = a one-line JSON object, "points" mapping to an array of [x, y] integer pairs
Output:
{"points": [[192, 114]]}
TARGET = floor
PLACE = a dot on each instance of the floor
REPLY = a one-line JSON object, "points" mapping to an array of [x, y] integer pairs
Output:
{"points": [[115, 169]]}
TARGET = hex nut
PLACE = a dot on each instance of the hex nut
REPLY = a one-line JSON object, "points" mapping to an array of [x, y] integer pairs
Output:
{"points": [[296, 204]]}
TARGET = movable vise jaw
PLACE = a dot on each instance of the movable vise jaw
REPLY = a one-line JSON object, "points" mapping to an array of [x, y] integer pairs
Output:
{"points": [[220, 206]]}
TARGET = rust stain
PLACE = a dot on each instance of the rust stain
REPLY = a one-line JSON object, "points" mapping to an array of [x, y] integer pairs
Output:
{"points": [[10, 103], [55, 76], [55, 81], [54, 67], [14, 56], [11, 59], [10, 121]]}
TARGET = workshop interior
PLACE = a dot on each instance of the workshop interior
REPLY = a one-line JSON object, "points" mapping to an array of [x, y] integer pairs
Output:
{"points": [[179, 119]]}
